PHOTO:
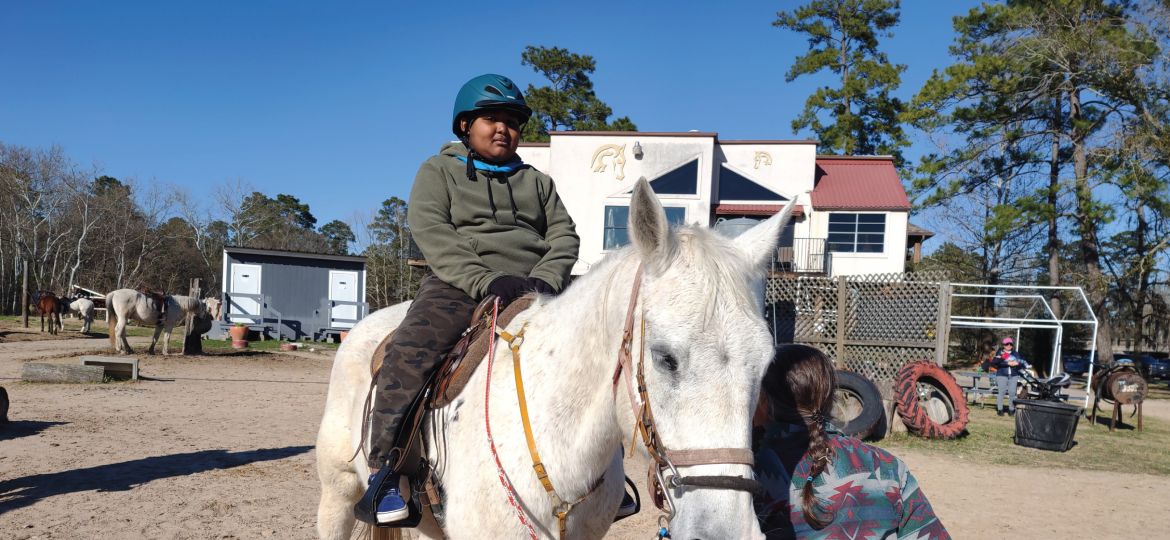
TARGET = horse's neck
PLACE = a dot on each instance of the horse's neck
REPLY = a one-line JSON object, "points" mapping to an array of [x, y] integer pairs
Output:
{"points": [[568, 375]]}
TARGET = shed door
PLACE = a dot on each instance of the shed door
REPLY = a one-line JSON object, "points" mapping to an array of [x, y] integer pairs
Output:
{"points": [[343, 287], [245, 280]]}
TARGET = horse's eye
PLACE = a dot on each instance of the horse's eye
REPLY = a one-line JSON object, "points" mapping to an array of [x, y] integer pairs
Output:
{"points": [[666, 360]]}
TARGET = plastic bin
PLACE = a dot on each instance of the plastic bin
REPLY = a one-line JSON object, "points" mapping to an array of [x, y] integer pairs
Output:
{"points": [[1046, 425]]}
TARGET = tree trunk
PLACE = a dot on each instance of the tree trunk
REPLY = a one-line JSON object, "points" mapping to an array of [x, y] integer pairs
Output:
{"points": [[1053, 245], [1087, 229], [1144, 263]]}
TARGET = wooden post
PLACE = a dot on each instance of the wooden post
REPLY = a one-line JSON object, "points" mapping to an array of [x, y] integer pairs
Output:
{"points": [[942, 327], [842, 315], [24, 295], [193, 338]]}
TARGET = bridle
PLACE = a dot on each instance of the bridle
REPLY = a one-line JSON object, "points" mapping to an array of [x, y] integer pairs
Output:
{"points": [[661, 475]]}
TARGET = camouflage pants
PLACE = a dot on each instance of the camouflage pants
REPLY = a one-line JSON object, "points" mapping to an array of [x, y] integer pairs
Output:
{"points": [[433, 324]]}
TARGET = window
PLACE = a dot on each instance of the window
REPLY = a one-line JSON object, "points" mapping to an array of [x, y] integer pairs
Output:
{"points": [[857, 233], [737, 187], [681, 181], [617, 220]]}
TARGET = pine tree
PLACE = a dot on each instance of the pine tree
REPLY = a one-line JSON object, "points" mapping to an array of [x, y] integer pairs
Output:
{"points": [[858, 115]]}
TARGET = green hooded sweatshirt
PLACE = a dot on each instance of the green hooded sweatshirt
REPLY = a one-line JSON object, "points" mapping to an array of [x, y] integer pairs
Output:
{"points": [[472, 232]]}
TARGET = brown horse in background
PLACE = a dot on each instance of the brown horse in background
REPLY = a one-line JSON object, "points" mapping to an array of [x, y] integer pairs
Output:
{"points": [[49, 304]]}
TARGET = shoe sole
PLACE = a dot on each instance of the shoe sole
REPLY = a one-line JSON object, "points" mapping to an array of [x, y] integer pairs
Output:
{"points": [[626, 511], [386, 518]]}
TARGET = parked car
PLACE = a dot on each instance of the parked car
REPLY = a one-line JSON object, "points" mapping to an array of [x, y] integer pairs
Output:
{"points": [[1156, 368], [1075, 365], [1150, 366]]}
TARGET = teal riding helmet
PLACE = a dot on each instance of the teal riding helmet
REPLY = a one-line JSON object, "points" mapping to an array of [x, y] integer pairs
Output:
{"points": [[489, 91]]}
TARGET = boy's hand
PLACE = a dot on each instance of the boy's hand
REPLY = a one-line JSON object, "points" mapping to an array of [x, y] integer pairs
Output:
{"points": [[508, 288], [541, 286]]}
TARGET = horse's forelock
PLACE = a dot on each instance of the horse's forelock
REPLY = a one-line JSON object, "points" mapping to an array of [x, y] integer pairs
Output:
{"points": [[725, 273]]}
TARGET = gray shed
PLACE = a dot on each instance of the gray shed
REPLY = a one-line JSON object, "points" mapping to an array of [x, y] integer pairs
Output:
{"points": [[292, 294]]}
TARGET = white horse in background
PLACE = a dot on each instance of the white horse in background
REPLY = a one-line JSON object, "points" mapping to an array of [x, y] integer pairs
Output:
{"points": [[706, 348], [125, 304], [214, 307], [83, 308]]}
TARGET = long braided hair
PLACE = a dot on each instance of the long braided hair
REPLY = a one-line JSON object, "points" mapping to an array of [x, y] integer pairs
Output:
{"points": [[800, 386]]}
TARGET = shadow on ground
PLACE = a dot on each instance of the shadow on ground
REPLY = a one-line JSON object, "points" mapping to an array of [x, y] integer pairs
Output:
{"points": [[21, 492], [16, 429]]}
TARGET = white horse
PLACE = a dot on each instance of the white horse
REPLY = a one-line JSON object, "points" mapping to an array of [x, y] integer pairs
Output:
{"points": [[124, 304], [83, 308], [706, 347]]}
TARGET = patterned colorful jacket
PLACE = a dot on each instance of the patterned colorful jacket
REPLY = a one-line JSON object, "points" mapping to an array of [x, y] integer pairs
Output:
{"points": [[871, 492]]}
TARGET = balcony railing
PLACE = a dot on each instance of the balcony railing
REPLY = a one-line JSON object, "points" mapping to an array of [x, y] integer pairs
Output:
{"points": [[802, 256]]}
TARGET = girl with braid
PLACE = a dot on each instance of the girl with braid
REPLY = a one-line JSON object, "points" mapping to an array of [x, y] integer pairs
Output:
{"points": [[818, 482]]}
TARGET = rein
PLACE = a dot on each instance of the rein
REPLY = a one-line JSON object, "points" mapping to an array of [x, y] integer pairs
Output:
{"points": [[665, 459]]}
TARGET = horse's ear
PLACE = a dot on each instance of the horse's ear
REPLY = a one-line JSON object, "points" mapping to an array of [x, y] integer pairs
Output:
{"points": [[649, 230], [759, 242]]}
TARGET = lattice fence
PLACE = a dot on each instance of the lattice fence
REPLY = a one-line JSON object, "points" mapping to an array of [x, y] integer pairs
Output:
{"points": [[871, 324]]}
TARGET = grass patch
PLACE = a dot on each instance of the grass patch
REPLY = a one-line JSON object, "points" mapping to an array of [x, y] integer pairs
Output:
{"points": [[268, 345], [989, 441]]}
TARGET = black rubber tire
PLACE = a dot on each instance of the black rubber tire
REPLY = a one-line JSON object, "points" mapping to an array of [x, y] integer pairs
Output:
{"points": [[865, 391], [3, 405], [914, 415]]}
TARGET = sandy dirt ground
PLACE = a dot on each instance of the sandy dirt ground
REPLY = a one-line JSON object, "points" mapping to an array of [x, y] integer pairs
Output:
{"points": [[222, 447]]}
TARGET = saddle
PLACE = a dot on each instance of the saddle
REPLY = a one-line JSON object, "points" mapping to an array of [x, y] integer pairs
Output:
{"points": [[441, 388], [461, 361], [160, 301]]}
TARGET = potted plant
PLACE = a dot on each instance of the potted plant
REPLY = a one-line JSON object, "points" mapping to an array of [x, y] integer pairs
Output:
{"points": [[239, 333]]}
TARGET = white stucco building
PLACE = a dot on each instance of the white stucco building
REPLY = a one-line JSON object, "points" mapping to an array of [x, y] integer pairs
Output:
{"points": [[851, 216]]}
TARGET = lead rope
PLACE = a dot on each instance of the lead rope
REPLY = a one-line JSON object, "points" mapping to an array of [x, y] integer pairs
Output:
{"points": [[508, 489]]}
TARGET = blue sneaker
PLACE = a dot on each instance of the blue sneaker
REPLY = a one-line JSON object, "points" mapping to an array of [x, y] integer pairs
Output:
{"points": [[391, 505], [627, 508]]}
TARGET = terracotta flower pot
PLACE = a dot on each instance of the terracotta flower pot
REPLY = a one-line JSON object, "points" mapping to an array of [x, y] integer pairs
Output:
{"points": [[341, 337], [238, 333]]}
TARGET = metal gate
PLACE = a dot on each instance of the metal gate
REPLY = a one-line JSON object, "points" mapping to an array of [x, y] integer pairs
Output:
{"points": [[870, 324]]}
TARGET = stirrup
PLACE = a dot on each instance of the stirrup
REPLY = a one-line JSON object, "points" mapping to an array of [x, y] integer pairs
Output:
{"points": [[637, 501], [366, 509]]}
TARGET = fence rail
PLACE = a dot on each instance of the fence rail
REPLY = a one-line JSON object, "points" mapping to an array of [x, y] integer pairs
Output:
{"points": [[804, 256], [869, 324]]}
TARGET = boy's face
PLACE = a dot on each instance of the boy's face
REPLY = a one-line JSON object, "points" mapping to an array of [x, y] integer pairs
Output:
{"points": [[494, 134]]}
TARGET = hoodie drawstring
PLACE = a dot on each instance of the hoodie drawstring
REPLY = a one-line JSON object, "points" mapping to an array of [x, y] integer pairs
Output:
{"points": [[502, 175], [512, 199], [471, 176]]}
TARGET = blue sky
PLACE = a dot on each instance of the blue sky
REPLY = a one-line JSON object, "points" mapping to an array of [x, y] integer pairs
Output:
{"points": [[338, 103]]}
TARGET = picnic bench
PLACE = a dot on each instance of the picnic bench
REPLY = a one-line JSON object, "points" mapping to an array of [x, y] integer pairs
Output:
{"points": [[982, 385]]}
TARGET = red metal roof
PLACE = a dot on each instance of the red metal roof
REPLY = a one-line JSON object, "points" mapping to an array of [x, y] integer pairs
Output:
{"points": [[858, 183], [754, 209]]}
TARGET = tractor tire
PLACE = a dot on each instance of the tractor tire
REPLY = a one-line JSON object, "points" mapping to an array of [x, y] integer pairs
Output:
{"points": [[857, 406], [913, 412]]}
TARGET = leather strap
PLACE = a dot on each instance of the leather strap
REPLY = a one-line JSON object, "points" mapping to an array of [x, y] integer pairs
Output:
{"points": [[708, 456], [514, 342], [560, 508]]}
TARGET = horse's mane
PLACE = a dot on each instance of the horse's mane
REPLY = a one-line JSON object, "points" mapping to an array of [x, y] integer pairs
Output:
{"points": [[188, 303], [724, 268]]}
